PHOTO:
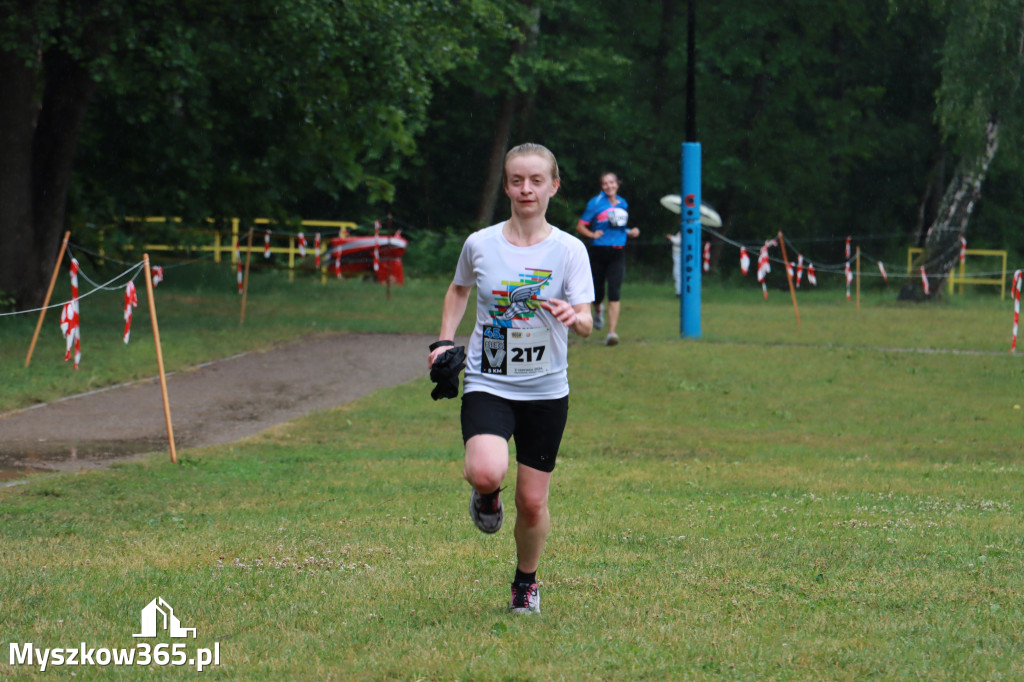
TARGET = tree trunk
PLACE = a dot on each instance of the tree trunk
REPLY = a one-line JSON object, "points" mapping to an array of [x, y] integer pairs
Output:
{"points": [[942, 246], [69, 91], [492, 179], [928, 206], [18, 107], [512, 101], [37, 151]]}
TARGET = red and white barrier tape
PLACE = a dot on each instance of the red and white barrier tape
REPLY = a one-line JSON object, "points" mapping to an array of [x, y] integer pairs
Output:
{"points": [[69, 319], [131, 300], [158, 274], [72, 334], [744, 261], [764, 266], [924, 281], [316, 247], [266, 244], [706, 262], [885, 277], [1015, 288], [302, 245]]}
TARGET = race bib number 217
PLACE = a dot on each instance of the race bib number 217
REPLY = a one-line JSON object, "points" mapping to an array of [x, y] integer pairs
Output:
{"points": [[516, 352]]}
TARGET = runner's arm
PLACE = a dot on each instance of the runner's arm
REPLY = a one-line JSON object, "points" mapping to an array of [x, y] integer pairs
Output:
{"points": [[455, 301], [584, 229]]}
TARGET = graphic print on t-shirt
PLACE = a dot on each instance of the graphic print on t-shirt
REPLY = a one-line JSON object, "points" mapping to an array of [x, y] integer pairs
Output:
{"points": [[519, 299]]}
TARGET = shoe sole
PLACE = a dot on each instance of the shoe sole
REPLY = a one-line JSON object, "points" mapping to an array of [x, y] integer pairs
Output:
{"points": [[476, 518]]}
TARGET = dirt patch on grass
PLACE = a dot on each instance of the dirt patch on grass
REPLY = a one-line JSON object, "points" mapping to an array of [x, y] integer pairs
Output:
{"points": [[215, 403]]}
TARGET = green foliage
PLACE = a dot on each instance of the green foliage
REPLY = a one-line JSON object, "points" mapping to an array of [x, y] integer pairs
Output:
{"points": [[247, 108], [815, 118], [823, 119], [433, 253], [982, 64]]}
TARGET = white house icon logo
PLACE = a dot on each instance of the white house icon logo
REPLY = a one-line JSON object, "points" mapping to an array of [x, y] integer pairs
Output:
{"points": [[158, 613]]}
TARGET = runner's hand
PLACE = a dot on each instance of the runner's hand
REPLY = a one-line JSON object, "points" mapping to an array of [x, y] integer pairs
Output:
{"points": [[434, 354], [562, 311]]}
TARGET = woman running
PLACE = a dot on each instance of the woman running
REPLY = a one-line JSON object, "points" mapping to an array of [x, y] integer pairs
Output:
{"points": [[533, 283]]}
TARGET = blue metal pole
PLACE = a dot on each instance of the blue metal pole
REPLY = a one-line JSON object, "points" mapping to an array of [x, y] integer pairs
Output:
{"points": [[690, 261]]}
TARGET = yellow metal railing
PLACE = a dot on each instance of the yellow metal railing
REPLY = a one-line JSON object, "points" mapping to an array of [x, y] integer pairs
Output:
{"points": [[218, 246], [961, 277]]}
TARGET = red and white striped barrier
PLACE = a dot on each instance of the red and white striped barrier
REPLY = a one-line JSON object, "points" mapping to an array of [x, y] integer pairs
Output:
{"points": [[811, 276], [302, 245], [924, 281], [69, 319], [744, 261], [158, 274], [848, 248], [706, 262], [963, 249], [316, 247], [1015, 291], [131, 300], [849, 273], [72, 333], [885, 277], [764, 266], [74, 282], [799, 269], [266, 244]]}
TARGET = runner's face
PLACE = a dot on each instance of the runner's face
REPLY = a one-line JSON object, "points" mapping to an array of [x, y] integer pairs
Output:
{"points": [[529, 185], [610, 185]]}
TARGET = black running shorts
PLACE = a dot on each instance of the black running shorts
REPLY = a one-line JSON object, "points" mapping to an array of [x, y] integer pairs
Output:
{"points": [[536, 425], [608, 265]]}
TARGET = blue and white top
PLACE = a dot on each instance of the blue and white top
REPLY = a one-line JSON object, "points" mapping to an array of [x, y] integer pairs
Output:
{"points": [[611, 220]]}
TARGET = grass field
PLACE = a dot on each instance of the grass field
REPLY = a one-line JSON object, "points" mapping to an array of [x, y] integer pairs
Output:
{"points": [[835, 500]]}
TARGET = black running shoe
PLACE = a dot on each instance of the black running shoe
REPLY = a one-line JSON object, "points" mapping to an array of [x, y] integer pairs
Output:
{"points": [[487, 512]]}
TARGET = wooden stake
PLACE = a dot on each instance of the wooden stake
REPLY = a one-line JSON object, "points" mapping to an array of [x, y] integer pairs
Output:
{"points": [[789, 277], [49, 292], [858, 278], [159, 358], [245, 279]]}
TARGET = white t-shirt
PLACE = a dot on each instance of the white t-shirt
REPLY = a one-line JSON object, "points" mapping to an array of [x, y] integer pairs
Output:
{"points": [[518, 350]]}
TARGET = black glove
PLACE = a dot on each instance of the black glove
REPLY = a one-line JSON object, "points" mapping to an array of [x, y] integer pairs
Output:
{"points": [[445, 372]]}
